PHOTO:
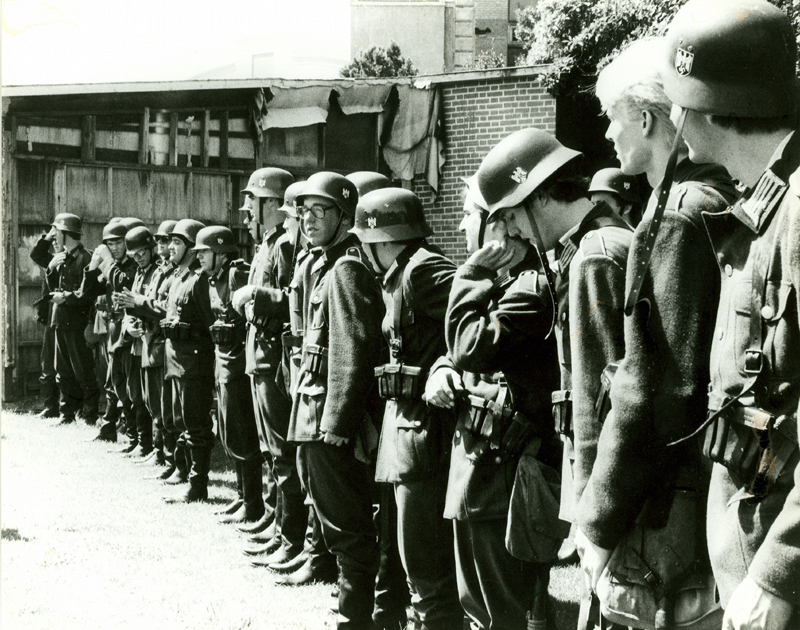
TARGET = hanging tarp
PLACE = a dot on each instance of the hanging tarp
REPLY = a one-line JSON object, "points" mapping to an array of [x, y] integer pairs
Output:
{"points": [[363, 99], [296, 107]]}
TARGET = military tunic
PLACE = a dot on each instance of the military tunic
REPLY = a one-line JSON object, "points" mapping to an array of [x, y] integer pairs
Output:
{"points": [[495, 330], [757, 243]]}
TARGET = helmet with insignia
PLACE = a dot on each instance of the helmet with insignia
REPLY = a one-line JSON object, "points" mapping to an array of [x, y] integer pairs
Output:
{"points": [[367, 181], [218, 239], [139, 238], [733, 58], [268, 182], [289, 197], [114, 230], [390, 214], [187, 230], [67, 222], [518, 165], [334, 187], [613, 180], [165, 229]]}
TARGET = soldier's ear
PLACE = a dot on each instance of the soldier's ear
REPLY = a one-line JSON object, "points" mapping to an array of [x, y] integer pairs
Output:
{"points": [[648, 123]]}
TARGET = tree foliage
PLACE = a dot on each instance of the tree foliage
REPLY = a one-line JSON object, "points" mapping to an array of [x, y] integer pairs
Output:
{"points": [[579, 36], [379, 62]]}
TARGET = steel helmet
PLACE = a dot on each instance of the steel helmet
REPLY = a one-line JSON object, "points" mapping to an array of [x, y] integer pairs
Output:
{"points": [[289, 198], [390, 214], [474, 192], [139, 238], [518, 165], [218, 239], [333, 186], [114, 230], [131, 222], [613, 180], [268, 182], [732, 58], [166, 227], [187, 229], [67, 222], [367, 181]]}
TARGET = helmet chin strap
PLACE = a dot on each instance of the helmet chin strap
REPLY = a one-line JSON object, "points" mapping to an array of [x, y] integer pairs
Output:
{"points": [[538, 245], [374, 251], [482, 227]]}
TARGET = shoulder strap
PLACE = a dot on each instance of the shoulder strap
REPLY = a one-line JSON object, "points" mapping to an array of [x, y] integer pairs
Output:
{"points": [[396, 342]]}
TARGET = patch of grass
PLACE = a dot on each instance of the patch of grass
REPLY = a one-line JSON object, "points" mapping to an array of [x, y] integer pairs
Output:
{"points": [[102, 550]]}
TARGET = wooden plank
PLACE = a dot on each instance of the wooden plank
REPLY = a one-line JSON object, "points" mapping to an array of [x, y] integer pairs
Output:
{"points": [[11, 139], [173, 139], [205, 129], [88, 136], [223, 139], [143, 167], [144, 136]]}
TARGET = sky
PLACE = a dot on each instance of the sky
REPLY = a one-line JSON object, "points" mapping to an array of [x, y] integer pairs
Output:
{"points": [[104, 41]]}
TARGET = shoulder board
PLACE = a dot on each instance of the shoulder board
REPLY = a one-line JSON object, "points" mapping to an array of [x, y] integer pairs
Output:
{"points": [[527, 281], [240, 264], [592, 244]]}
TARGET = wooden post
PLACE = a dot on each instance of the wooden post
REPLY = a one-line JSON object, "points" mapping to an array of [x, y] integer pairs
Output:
{"points": [[8, 259], [173, 139], [205, 145], [88, 134], [223, 140], [144, 136]]}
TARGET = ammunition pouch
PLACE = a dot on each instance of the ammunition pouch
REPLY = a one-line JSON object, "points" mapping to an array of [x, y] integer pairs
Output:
{"points": [[500, 426], [562, 412], [399, 382], [267, 327], [226, 334], [176, 331], [315, 360], [751, 442]]}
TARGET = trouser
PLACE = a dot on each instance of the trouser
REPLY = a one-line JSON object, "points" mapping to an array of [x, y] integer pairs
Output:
{"points": [[339, 487], [391, 585], [496, 590], [152, 380], [48, 386], [75, 375], [192, 400], [100, 356], [117, 396], [171, 412], [273, 409], [128, 383], [426, 547]]}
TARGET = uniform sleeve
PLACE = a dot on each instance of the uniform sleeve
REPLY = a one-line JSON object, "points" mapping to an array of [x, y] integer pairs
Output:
{"points": [[659, 392], [202, 301], [355, 311], [596, 304], [121, 277], [273, 301], [776, 566], [40, 254], [150, 307], [430, 283], [91, 287], [483, 340]]}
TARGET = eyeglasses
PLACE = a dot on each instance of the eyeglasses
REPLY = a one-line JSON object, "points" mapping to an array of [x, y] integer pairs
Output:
{"points": [[317, 211]]}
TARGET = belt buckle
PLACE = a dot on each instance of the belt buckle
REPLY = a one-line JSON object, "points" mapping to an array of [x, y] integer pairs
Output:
{"points": [[753, 361]]}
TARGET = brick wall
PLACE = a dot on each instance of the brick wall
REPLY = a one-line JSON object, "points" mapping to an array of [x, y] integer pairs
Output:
{"points": [[477, 115]]}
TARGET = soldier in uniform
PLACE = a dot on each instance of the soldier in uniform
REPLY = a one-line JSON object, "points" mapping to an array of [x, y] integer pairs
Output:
{"points": [[189, 354], [498, 375], [110, 270], [732, 76], [269, 279], [41, 255], [662, 381], [618, 190], [74, 367], [524, 174], [216, 248], [414, 449], [341, 314], [63, 275]]}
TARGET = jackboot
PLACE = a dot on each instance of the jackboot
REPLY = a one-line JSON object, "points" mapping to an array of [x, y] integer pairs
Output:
{"points": [[198, 472], [252, 490], [139, 452], [237, 503], [539, 617], [197, 491], [310, 572], [181, 471], [264, 537], [259, 526], [356, 598]]}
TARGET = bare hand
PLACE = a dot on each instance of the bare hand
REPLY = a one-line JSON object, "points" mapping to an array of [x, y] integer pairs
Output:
{"points": [[335, 440], [493, 255], [133, 327], [753, 608], [124, 299], [241, 297], [56, 260], [442, 387], [58, 297], [98, 256], [593, 558]]}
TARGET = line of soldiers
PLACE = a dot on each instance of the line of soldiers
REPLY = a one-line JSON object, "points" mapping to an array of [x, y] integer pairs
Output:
{"points": [[431, 432]]}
